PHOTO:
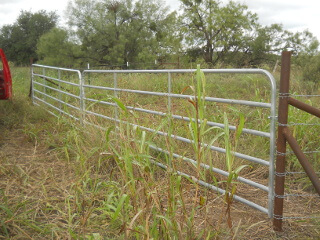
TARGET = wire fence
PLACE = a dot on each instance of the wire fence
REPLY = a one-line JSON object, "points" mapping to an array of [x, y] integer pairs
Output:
{"points": [[287, 136]]}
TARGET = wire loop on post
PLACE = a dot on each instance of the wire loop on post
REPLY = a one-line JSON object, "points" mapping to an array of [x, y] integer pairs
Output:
{"points": [[284, 95], [281, 153], [278, 174]]}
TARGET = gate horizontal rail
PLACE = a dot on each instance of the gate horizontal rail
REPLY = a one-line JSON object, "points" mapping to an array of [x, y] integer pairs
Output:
{"points": [[216, 170], [57, 90], [83, 111], [172, 95], [56, 79], [217, 189], [209, 123], [186, 140]]}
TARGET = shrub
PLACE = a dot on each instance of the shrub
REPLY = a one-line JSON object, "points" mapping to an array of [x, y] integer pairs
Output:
{"points": [[311, 69]]}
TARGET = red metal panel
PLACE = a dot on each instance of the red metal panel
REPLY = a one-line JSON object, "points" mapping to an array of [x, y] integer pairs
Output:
{"points": [[5, 78]]}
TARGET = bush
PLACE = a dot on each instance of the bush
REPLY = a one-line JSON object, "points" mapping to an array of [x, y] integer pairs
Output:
{"points": [[311, 69]]}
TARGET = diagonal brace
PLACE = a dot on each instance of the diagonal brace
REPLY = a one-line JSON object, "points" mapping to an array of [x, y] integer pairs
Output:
{"points": [[305, 107], [302, 159]]}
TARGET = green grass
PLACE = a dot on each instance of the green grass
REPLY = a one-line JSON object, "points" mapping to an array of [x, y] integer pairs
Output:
{"points": [[85, 183]]}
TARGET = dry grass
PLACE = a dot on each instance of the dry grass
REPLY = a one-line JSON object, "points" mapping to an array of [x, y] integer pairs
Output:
{"points": [[58, 181], [46, 198]]}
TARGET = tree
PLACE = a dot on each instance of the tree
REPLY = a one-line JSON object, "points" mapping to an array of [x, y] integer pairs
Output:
{"points": [[307, 55], [20, 39], [311, 69], [230, 33], [56, 49], [216, 29], [270, 41], [303, 43], [265, 44], [118, 31]]}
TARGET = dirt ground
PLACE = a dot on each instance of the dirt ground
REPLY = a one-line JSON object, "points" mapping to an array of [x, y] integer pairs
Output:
{"points": [[30, 179]]}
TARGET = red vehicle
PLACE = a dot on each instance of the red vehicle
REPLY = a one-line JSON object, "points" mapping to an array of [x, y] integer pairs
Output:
{"points": [[5, 78]]}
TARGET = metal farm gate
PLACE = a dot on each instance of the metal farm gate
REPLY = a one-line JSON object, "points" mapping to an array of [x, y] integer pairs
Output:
{"points": [[84, 97]]}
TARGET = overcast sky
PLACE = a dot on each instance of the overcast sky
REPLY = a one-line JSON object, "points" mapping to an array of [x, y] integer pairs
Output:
{"points": [[295, 15]]}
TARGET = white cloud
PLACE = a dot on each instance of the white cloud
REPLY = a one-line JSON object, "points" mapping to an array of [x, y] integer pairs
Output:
{"points": [[273, 5], [3, 2], [295, 15], [10, 9]]}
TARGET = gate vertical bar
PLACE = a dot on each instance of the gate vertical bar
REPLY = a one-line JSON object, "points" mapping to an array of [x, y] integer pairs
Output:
{"points": [[82, 96], [273, 119], [44, 83], [59, 87], [115, 85], [281, 143], [170, 116], [169, 93], [32, 85]]}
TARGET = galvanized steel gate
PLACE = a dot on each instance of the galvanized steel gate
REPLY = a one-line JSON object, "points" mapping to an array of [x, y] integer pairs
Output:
{"points": [[76, 96]]}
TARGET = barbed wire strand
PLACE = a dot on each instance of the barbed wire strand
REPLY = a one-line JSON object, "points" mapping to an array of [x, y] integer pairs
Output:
{"points": [[289, 173], [298, 124], [291, 152], [279, 217], [293, 95], [284, 95], [297, 195]]}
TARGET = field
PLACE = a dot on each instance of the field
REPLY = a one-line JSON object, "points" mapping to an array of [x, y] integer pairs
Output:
{"points": [[59, 180]]}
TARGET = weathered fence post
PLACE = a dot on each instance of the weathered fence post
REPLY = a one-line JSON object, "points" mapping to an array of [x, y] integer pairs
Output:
{"points": [[281, 142]]}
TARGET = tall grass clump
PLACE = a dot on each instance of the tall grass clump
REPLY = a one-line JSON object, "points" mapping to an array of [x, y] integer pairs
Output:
{"points": [[155, 197], [129, 147], [199, 132], [203, 137], [233, 170]]}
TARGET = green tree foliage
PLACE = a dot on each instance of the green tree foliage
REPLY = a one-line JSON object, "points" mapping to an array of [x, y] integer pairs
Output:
{"points": [[311, 69], [118, 31], [309, 61], [56, 49], [114, 32], [20, 39], [265, 43], [231, 33], [216, 29], [268, 42]]}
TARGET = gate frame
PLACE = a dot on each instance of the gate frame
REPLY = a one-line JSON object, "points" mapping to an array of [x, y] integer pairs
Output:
{"points": [[272, 105]]}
